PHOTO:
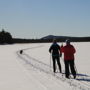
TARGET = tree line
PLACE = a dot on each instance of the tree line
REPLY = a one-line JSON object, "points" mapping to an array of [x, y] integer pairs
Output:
{"points": [[6, 38]]}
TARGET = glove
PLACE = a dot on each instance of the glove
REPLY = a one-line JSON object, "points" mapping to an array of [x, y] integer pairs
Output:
{"points": [[60, 54]]}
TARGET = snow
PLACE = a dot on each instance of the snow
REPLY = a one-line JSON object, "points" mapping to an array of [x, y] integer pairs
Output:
{"points": [[31, 70]]}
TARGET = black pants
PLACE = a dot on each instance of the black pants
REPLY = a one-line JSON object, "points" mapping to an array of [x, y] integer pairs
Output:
{"points": [[56, 59], [69, 63]]}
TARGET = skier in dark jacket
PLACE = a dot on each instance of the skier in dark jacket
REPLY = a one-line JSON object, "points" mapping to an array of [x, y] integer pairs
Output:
{"points": [[56, 53], [69, 52]]}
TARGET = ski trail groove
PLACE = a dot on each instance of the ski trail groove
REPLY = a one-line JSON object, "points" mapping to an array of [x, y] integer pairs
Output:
{"points": [[38, 65]]}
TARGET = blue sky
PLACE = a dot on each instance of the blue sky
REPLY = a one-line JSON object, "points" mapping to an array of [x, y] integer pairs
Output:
{"points": [[38, 18]]}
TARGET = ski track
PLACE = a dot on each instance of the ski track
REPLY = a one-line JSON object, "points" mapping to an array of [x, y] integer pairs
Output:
{"points": [[37, 66], [45, 78], [46, 81]]}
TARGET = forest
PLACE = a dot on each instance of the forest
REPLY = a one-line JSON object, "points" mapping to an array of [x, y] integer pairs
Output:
{"points": [[7, 38]]}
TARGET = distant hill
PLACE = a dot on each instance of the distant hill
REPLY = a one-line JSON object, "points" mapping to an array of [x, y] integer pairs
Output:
{"points": [[56, 37], [63, 38]]}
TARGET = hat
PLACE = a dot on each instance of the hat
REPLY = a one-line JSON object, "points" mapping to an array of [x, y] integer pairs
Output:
{"points": [[68, 41], [54, 40]]}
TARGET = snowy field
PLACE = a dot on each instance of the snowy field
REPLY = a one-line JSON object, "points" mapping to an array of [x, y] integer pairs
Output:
{"points": [[32, 69]]}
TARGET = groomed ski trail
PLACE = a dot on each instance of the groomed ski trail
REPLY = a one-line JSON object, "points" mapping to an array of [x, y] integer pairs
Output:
{"points": [[48, 81], [42, 67]]}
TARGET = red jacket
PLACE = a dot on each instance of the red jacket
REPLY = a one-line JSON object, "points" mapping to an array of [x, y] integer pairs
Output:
{"points": [[68, 51]]}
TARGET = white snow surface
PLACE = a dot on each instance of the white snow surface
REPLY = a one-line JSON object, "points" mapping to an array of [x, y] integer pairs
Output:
{"points": [[32, 69]]}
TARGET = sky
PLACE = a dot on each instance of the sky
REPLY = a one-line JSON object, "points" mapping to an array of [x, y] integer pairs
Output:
{"points": [[39, 18]]}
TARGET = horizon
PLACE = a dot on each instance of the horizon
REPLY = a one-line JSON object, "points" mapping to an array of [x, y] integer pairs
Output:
{"points": [[38, 18], [43, 36]]}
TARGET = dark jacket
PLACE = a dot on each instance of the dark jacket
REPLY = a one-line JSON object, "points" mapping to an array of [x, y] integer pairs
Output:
{"points": [[55, 49]]}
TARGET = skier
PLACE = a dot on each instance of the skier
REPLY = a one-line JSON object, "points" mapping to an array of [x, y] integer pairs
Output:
{"points": [[21, 51], [56, 53], [69, 51]]}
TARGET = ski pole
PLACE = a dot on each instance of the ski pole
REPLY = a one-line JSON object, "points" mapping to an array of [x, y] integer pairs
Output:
{"points": [[50, 61], [76, 69]]}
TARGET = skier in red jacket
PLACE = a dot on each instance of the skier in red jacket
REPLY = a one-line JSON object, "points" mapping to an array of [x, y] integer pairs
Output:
{"points": [[69, 51]]}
